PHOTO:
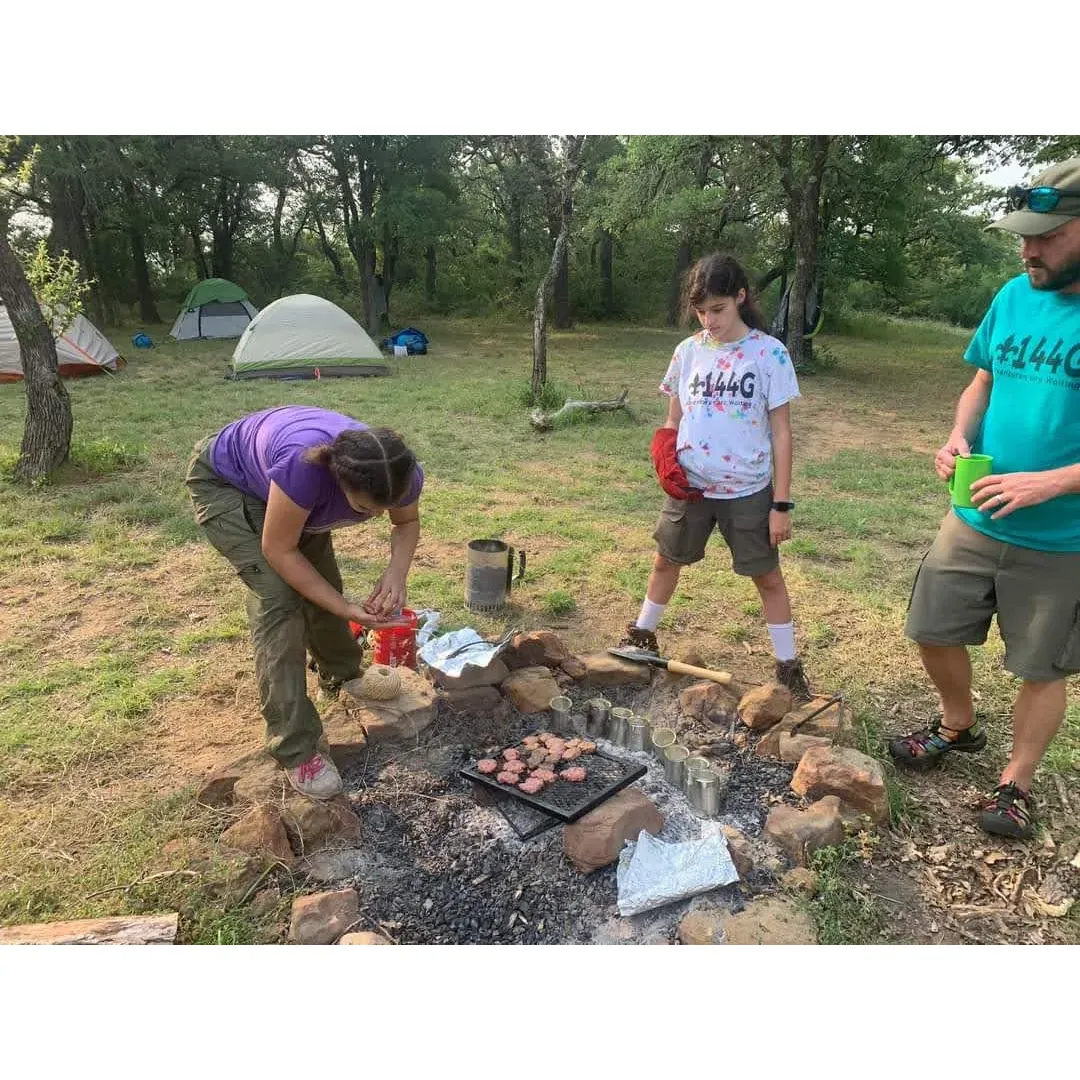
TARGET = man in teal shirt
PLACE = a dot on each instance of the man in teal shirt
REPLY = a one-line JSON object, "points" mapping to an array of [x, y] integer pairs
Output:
{"points": [[1017, 553]]}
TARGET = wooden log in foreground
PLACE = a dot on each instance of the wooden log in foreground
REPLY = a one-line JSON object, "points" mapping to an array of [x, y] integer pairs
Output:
{"points": [[114, 930], [544, 421]]}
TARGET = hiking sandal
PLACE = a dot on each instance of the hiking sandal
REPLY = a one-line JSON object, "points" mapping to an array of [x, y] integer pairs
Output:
{"points": [[1008, 811], [927, 746]]}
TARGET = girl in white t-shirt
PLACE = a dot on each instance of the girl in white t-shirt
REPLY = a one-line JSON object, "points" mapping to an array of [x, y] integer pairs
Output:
{"points": [[724, 456]]}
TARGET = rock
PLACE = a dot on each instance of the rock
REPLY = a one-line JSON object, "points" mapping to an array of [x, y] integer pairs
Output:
{"points": [[702, 927], [772, 921], [259, 832], [564, 680], [739, 849], [740, 740], [603, 669], [801, 832], [313, 825], [793, 746], [473, 676], [402, 718], [800, 880], [686, 654], [333, 865], [364, 938], [847, 773], [708, 701], [764, 706], [768, 746], [320, 919], [536, 648], [265, 901], [217, 788], [531, 689], [827, 724], [262, 780], [574, 667], [477, 699], [344, 732], [596, 838]]}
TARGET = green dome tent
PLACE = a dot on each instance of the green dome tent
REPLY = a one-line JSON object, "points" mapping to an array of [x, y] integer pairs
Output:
{"points": [[215, 308]]}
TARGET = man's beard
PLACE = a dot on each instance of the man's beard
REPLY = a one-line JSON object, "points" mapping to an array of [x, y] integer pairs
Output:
{"points": [[1056, 280]]}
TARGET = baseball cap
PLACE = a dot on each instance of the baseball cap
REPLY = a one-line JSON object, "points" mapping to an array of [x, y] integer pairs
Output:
{"points": [[1052, 200]]}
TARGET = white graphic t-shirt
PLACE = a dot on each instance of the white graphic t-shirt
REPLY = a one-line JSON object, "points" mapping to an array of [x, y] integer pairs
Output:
{"points": [[726, 390]]}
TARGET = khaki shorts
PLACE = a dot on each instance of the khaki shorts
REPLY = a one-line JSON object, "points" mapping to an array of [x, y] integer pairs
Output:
{"points": [[685, 527], [966, 578]]}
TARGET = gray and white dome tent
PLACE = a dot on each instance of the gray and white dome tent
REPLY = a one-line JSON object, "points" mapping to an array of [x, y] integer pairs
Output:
{"points": [[305, 337], [82, 349], [215, 308]]}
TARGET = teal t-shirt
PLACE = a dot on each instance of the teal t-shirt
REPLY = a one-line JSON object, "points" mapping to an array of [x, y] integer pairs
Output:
{"points": [[1030, 342]]}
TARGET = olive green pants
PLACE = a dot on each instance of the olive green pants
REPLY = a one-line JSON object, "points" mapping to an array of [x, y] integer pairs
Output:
{"points": [[284, 626]]}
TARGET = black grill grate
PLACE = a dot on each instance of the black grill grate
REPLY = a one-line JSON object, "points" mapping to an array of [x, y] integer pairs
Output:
{"points": [[567, 801]]}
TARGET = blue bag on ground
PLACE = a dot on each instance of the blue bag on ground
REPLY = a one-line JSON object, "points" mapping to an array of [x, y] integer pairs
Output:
{"points": [[142, 341], [414, 341]]}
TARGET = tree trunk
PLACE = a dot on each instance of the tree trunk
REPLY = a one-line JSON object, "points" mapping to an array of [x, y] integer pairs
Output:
{"points": [[67, 203], [517, 270], [47, 435], [682, 264], [139, 270], [148, 311], [331, 255], [561, 314], [805, 210], [558, 257], [607, 277], [429, 273]]}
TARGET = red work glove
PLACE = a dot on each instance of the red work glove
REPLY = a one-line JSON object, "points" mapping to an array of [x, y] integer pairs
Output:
{"points": [[669, 472]]}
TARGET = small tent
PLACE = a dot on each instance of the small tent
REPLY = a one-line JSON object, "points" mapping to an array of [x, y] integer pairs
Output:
{"points": [[215, 308], [304, 337], [81, 349]]}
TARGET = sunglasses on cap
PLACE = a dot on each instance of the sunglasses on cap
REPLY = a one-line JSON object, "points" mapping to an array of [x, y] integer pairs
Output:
{"points": [[1040, 200]]}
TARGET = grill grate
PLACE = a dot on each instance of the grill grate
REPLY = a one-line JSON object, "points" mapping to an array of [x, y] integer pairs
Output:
{"points": [[567, 801]]}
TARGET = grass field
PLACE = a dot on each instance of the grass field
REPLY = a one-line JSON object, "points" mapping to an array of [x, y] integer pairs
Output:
{"points": [[125, 669]]}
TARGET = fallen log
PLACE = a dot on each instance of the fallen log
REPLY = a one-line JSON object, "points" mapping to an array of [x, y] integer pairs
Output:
{"points": [[545, 421], [114, 930]]}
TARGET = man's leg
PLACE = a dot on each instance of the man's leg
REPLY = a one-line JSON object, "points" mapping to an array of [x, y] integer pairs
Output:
{"points": [[1037, 714], [953, 600], [334, 649], [949, 668]]}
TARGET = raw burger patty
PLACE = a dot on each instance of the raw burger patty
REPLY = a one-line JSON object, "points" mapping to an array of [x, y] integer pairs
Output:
{"points": [[507, 778], [575, 775], [487, 766], [531, 786]]}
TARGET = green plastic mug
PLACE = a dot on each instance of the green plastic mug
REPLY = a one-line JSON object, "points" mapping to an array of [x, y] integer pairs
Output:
{"points": [[968, 470]]}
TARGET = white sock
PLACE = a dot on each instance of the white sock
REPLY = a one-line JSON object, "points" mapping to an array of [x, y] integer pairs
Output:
{"points": [[649, 619], [783, 640]]}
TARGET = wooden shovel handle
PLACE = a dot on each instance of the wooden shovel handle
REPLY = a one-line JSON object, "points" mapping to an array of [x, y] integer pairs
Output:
{"points": [[677, 667]]}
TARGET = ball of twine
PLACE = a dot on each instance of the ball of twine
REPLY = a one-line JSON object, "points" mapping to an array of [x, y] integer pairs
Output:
{"points": [[380, 683]]}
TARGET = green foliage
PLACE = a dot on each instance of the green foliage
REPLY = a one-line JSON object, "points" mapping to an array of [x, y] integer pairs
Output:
{"points": [[58, 285], [558, 602], [844, 913]]}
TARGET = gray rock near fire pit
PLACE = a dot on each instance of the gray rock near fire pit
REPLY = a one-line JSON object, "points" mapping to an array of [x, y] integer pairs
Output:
{"points": [[765, 706], [801, 832], [531, 689], [320, 919], [596, 838], [403, 717], [603, 669]]}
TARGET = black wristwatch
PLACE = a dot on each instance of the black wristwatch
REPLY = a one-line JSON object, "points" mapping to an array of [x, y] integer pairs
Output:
{"points": [[783, 507]]}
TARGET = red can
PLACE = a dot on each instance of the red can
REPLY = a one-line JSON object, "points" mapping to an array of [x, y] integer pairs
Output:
{"points": [[395, 646]]}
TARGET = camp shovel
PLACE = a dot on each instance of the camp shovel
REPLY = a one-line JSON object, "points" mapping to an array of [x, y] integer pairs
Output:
{"points": [[676, 667]]}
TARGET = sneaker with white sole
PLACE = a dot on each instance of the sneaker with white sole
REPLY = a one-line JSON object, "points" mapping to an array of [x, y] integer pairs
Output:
{"points": [[317, 778]]}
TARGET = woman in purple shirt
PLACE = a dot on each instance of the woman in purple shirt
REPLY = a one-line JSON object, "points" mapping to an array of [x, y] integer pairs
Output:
{"points": [[267, 490]]}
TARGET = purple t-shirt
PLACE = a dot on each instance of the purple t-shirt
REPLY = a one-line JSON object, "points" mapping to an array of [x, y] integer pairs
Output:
{"points": [[270, 446]]}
